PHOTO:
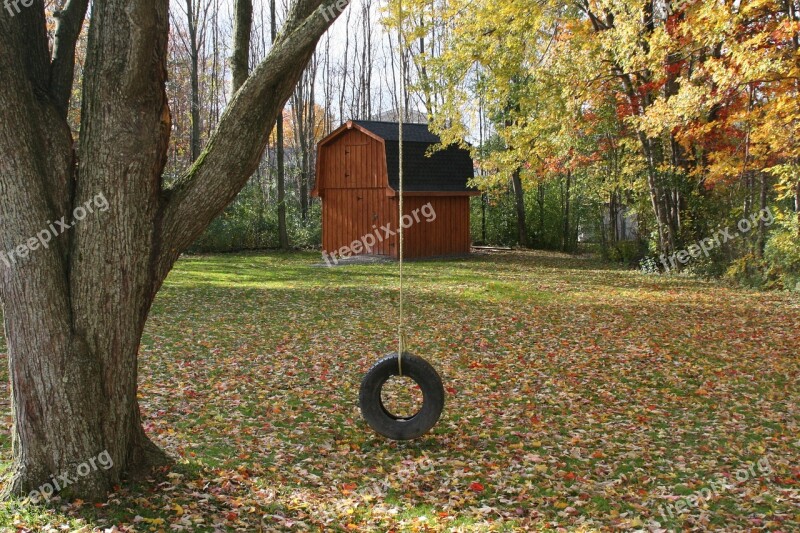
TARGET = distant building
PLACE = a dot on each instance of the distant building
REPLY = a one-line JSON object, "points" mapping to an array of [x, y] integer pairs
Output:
{"points": [[358, 181], [627, 224]]}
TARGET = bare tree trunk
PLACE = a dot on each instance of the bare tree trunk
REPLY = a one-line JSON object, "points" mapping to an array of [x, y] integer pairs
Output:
{"points": [[613, 215], [747, 206], [304, 116], [194, 60], [484, 201], [283, 234], [519, 199], [604, 233], [565, 241], [394, 92], [240, 60], [797, 206], [74, 310], [327, 85], [343, 85], [762, 227], [665, 236], [540, 200]]}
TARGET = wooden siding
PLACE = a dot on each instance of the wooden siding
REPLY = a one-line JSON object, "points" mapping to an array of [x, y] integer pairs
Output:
{"points": [[353, 160], [353, 182], [447, 234], [350, 214], [356, 200]]}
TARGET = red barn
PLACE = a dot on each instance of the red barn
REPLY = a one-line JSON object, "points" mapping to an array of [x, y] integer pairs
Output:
{"points": [[358, 180]]}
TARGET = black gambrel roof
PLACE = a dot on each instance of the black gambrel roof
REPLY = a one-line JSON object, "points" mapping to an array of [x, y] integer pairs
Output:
{"points": [[445, 170]]}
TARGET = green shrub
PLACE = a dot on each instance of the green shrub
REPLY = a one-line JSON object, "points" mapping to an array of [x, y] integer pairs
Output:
{"points": [[628, 252], [251, 223], [715, 265], [782, 258], [748, 271], [649, 265]]}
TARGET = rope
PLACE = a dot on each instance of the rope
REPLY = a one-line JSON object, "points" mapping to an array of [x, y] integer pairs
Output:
{"points": [[401, 335]]}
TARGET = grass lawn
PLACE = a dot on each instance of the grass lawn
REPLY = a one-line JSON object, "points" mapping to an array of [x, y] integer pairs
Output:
{"points": [[579, 396]]}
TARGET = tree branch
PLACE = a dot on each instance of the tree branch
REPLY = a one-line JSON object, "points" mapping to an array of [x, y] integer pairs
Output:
{"points": [[23, 31], [240, 60], [62, 68], [235, 148], [30, 117]]}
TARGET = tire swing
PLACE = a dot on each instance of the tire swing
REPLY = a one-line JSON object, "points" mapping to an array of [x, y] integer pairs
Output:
{"points": [[381, 419], [401, 363]]}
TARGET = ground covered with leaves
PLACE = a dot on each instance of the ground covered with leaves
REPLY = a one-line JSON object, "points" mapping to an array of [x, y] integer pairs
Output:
{"points": [[579, 398]]}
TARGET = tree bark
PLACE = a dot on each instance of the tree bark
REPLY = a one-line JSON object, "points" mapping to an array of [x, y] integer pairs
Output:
{"points": [[565, 242], [74, 310], [194, 74], [519, 198], [613, 215], [283, 234], [540, 192], [797, 205], [665, 238], [70, 22], [761, 241], [484, 201], [304, 116], [240, 60]]}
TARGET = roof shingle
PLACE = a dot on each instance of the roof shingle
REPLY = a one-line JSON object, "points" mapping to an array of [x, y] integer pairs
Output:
{"points": [[446, 170]]}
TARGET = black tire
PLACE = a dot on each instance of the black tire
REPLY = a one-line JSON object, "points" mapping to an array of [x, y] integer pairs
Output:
{"points": [[384, 422]]}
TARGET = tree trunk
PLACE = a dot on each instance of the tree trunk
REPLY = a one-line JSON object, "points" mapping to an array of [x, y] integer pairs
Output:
{"points": [[604, 233], [75, 303], [540, 190], [639, 101], [283, 234], [565, 241], [519, 197], [761, 241], [304, 115], [665, 237], [484, 200], [194, 67], [613, 214], [797, 205], [240, 60], [305, 168]]}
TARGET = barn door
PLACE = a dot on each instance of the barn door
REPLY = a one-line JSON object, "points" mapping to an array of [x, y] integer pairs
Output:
{"points": [[355, 164]]}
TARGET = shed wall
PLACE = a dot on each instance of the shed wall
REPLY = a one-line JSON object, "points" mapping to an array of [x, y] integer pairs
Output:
{"points": [[353, 176], [350, 214], [357, 201], [446, 234]]}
